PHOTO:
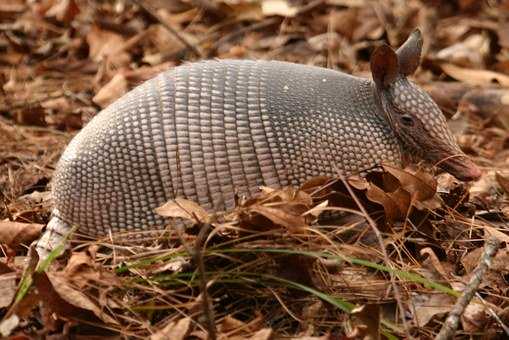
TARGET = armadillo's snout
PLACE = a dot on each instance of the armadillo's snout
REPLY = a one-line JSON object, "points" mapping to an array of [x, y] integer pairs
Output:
{"points": [[461, 167]]}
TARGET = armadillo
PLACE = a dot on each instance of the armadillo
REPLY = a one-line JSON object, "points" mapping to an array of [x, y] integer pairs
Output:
{"points": [[211, 130]]}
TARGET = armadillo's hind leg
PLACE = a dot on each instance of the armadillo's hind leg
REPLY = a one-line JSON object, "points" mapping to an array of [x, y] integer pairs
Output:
{"points": [[56, 233]]}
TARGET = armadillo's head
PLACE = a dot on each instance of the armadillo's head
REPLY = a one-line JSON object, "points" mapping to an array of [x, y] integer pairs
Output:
{"points": [[413, 115]]}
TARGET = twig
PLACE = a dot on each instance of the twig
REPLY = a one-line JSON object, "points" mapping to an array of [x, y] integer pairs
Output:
{"points": [[148, 8], [197, 254], [198, 258], [451, 323], [378, 234], [493, 314], [3, 196]]}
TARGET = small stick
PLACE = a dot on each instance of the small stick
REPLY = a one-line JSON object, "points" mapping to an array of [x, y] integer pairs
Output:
{"points": [[198, 258], [451, 323], [493, 314], [170, 29]]}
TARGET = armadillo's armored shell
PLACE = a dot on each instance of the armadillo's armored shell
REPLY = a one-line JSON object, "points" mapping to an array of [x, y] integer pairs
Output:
{"points": [[207, 130]]}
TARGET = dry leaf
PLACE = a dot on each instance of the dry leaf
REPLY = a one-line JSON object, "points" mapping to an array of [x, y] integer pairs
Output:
{"points": [[426, 306], [173, 330], [59, 291], [165, 43], [280, 217], [182, 208], [484, 185], [421, 186], [278, 7], [113, 90], [395, 205], [175, 265], [63, 11], [107, 45], [433, 263], [475, 77], [81, 270], [245, 10], [492, 104], [8, 288], [15, 233], [262, 334], [317, 209], [231, 324], [475, 317], [470, 52], [493, 232]]}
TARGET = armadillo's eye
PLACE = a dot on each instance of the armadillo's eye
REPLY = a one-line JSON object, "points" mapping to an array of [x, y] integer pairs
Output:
{"points": [[407, 120]]}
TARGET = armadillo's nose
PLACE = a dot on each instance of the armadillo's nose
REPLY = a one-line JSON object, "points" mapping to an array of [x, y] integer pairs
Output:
{"points": [[462, 168], [472, 173]]}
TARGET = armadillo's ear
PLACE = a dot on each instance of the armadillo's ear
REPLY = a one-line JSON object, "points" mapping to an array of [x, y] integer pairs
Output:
{"points": [[384, 66], [409, 54]]}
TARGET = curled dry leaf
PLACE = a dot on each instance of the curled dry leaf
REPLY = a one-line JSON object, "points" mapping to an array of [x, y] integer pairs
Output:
{"points": [[280, 217], [182, 208], [420, 185], [475, 317], [317, 209], [81, 269], [396, 204], [173, 330], [286, 195], [433, 264], [285, 207], [67, 301], [401, 190], [16, 233]]}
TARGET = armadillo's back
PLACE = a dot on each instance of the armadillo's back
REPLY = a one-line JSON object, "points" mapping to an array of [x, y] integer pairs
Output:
{"points": [[208, 130]]}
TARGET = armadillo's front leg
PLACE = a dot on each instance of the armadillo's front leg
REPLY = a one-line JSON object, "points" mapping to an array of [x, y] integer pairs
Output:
{"points": [[55, 234]]}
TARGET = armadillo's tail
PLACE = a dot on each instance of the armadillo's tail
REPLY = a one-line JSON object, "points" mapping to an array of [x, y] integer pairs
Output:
{"points": [[54, 237]]}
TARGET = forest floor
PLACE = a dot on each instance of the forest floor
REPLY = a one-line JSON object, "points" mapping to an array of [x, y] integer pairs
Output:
{"points": [[410, 257]]}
